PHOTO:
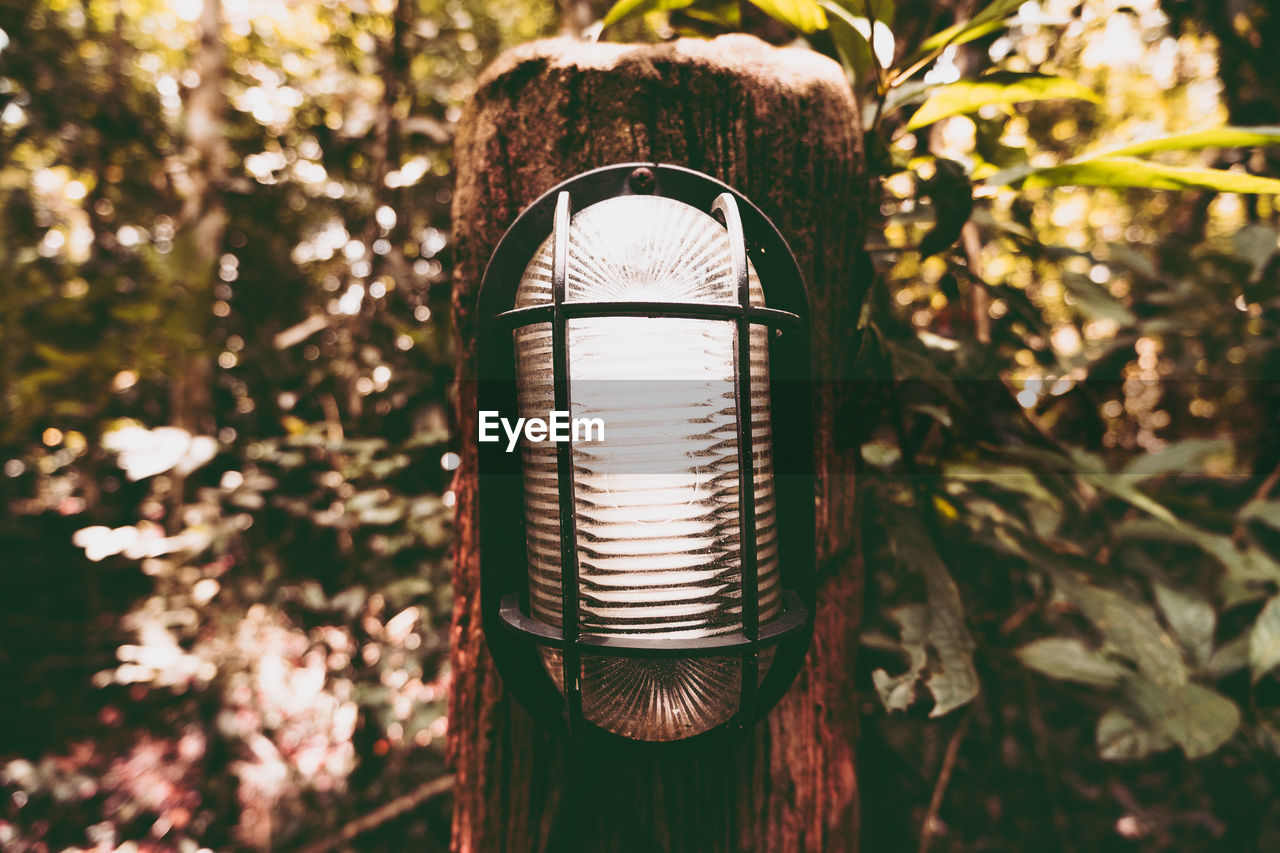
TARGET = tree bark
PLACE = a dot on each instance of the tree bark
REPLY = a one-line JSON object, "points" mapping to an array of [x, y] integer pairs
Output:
{"points": [[781, 126], [204, 218]]}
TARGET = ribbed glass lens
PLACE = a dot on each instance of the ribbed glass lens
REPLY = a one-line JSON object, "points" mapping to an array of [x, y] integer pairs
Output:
{"points": [[657, 505]]}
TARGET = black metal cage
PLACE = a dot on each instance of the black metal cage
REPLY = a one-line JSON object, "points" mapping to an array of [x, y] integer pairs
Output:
{"points": [[513, 635]]}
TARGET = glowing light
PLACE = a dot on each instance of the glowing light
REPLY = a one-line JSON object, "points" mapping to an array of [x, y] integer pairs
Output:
{"points": [[100, 542], [945, 70], [351, 300], [53, 241], [145, 453], [187, 10], [204, 591], [13, 116], [432, 242]]}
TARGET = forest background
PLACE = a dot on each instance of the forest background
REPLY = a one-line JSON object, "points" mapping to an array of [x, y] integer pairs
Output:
{"points": [[225, 365]]}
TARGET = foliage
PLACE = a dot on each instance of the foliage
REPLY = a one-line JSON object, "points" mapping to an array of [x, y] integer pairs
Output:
{"points": [[225, 443], [999, 87], [225, 434], [1065, 492]]}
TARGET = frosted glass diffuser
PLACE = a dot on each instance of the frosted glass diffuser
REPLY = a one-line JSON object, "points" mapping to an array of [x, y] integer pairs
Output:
{"points": [[657, 501]]}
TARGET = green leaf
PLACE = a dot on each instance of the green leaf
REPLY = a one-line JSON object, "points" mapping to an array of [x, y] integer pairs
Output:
{"points": [[626, 8], [1264, 640], [1266, 735], [1001, 87], [910, 362], [406, 591], [1136, 262], [1015, 478], [1229, 658], [880, 10], [350, 601], [851, 45], [951, 193], [1122, 172], [986, 21], [1256, 244], [881, 454], [803, 15], [1095, 301], [1245, 567], [629, 8], [724, 13], [1191, 618], [1124, 488], [1181, 457], [1117, 160], [1220, 137], [906, 94], [1197, 719], [1069, 659], [1030, 500], [1128, 625], [1120, 738], [953, 681], [1263, 511], [897, 692]]}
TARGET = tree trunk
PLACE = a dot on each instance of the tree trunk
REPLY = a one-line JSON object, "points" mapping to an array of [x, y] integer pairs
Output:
{"points": [[202, 223], [781, 126], [204, 219]]}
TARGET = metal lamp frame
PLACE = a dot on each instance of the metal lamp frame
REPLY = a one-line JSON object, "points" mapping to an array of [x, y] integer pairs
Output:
{"points": [[513, 636]]}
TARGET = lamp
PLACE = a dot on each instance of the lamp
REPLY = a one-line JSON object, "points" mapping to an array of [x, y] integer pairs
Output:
{"points": [[645, 488]]}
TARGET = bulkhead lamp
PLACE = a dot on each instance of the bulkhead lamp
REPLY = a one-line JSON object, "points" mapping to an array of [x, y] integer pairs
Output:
{"points": [[646, 509]]}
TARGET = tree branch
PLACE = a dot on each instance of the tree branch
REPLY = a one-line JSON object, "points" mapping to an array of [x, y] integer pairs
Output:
{"points": [[384, 813], [944, 778]]}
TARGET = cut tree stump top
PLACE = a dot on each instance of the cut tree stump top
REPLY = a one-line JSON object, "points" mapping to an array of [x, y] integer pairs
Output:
{"points": [[777, 124]]}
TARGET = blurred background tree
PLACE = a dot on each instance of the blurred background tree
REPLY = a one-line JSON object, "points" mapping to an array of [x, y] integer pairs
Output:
{"points": [[224, 268], [224, 370]]}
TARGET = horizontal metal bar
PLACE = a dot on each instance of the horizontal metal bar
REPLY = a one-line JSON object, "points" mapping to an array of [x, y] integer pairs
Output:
{"points": [[792, 620], [517, 317]]}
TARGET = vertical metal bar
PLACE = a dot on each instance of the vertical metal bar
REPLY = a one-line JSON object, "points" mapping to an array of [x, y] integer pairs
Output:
{"points": [[728, 208], [572, 662]]}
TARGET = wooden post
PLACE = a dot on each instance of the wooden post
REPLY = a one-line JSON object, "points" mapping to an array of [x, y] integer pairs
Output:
{"points": [[781, 126]]}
